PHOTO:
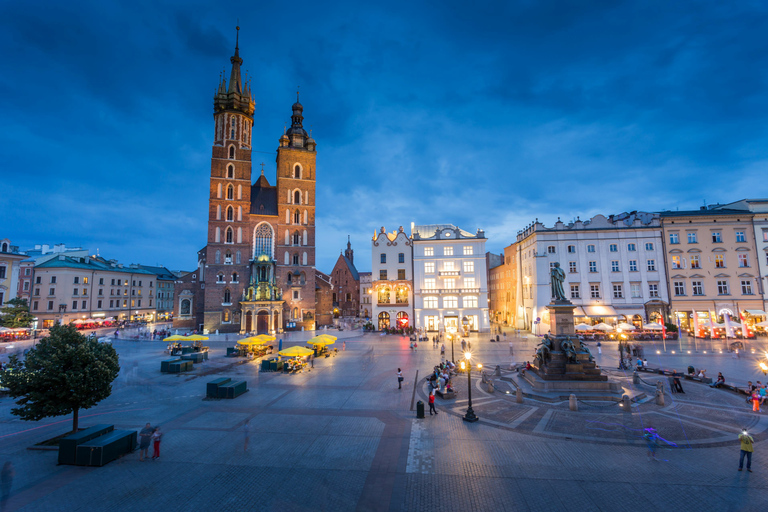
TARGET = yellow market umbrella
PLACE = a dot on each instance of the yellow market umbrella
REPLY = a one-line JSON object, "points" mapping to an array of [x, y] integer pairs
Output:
{"points": [[175, 337], [263, 338], [195, 337], [246, 341], [295, 352], [320, 341], [326, 336]]}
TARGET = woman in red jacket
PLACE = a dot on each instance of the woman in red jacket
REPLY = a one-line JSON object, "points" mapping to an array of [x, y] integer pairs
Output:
{"points": [[432, 403]]}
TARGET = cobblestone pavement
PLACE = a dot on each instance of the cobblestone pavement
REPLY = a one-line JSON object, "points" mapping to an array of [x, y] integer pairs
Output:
{"points": [[343, 437]]}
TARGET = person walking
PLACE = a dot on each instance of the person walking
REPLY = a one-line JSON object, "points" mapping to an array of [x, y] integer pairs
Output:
{"points": [[599, 348], [6, 482], [399, 378], [511, 349], [746, 449], [432, 403], [442, 350], [157, 436], [145, 438]]}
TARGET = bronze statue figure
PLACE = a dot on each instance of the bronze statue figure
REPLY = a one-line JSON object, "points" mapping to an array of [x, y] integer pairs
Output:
{"points": [[558, 277]]}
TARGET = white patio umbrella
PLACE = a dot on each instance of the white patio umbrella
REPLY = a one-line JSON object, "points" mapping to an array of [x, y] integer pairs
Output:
{"points": [[652, 327], [626, 327], [602, 326], [583, 327], [762, 324]]}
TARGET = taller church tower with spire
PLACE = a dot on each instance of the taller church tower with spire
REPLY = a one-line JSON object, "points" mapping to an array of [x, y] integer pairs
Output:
{"points": [[257, 271]]}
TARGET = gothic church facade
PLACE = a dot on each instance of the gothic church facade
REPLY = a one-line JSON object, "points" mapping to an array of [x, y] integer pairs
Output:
{"points": [[257, 271]]}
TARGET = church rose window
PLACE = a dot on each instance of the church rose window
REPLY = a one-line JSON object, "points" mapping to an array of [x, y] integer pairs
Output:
{"points": [[262, 240]]}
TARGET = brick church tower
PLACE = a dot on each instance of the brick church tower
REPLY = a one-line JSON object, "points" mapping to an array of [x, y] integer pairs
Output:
{"points": [[296, 220], [228, 249]]}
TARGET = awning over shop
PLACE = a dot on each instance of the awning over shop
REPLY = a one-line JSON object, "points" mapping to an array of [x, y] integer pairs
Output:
{"points": [[579, 311], [599, 311], [755, 312]]}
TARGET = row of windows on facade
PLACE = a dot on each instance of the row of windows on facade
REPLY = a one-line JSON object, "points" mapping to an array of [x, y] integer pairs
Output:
{"points": [[298, 239], [469, 283], [467, 250], [594, 291], [347, 297], [450, 302], [84, 280], [676, 261], [76, 291], [233, 122], [449, 266], [113, 304], [717, 238], [697, 287], [400, 295], [294, 196], [571, 249], [400, 274]]}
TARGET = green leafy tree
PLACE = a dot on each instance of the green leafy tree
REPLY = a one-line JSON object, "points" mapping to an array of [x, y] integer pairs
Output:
{"points": [[62, 374], [15, 314]]}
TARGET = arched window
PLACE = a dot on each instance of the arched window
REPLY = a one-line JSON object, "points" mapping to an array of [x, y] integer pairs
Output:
{"points": [[229, 238], [237, 257], [305, 237], [186, 306], [239, 213], [296, 238], [402, 319], [287, 258], [231, 171], [290, 279], [297, 197], [297, 217], [296, 313], [219, 277], [231, 152], [384, 295], [234, 277], [228, 258], [297, 172], [296, 259], [230, 213], [218, 212], [262, 240], [239, 191], [383, 320], [225, 316], [306, 217], [302, 278], [239, 235], [230, 192], [217, 238], [218, 256], [218, 191], [227, 297], [304, 257], [232, 132]]}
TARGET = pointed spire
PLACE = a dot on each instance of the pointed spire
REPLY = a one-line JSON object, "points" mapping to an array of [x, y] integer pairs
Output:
{"points": [[235, 82]]}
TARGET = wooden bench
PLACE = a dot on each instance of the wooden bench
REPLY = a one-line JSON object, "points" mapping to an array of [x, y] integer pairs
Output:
{"points": [[445, 395], [68, 445], [179, 366], [106, 448], [212, 388], [232, 389], [165, 365]]}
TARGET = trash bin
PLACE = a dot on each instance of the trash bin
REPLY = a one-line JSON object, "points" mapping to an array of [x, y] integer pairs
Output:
{"points": [[420, 409], [497, 337]]}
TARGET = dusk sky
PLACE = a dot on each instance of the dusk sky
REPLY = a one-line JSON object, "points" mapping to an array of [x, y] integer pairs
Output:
{"points": [[480, 114]]}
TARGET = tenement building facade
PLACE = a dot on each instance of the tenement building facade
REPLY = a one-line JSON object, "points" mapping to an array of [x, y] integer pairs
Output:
{"points": [[614, 269], [391, 279], [257, 271], [450, 279]]}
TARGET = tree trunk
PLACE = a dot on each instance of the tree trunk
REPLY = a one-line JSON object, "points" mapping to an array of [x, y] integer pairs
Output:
{"points": [[75, 420]]}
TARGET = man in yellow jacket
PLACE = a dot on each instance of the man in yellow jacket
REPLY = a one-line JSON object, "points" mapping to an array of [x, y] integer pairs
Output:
{"points": [[746, 449]]}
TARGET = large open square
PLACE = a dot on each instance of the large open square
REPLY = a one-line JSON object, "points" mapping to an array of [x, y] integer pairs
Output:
{"points": [[342, 436]]}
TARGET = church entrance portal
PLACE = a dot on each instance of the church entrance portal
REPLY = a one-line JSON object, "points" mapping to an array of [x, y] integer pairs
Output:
{"points": [[248, 321], [262, 323]]}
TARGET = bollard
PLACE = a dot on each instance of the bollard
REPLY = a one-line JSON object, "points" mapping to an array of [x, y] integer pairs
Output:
{"points": [[572, 403], [490, 386], [519, 396], [498, 371], [635, 377], [626, 403], [659, 397], [659, 386]]}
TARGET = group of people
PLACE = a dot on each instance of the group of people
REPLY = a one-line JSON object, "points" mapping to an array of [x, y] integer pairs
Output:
{"points": [[150, 435], [756, 394]]}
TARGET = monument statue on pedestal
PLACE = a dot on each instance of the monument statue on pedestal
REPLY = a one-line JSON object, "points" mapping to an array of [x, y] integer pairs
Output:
{"points": [[558, 277]]}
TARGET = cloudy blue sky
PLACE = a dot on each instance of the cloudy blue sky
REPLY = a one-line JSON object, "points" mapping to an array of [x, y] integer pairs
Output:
{"points": [[483, 114]]}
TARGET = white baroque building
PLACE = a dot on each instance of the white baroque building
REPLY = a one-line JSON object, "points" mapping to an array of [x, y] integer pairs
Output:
{"points": [[614, 269], [391, 286], [450, 279]]}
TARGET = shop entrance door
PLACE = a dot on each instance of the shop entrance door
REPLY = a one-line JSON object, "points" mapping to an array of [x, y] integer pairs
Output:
{"points": [[451, 323]]}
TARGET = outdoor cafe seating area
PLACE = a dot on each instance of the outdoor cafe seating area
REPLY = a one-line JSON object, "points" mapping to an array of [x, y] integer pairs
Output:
{"points": [[7, 334], [622, 332], [93, 323]]}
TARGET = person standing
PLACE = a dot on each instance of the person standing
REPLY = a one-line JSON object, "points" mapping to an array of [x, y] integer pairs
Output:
{"points": [[6, 482], [599, 348], [511, 349], [746, 449], [399, 378], [442, 350], [432, 403], [411, 345], [145, 438], [756, 400], [157, 436]]}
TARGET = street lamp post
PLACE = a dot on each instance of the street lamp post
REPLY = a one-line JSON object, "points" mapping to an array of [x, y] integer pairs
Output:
{"points": [[470, 416]]}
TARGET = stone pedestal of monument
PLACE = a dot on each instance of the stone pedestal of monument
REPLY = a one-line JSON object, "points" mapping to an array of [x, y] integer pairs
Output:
{"points": [[559, 373]]}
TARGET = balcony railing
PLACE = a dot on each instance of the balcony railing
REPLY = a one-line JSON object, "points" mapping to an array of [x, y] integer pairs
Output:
{"points": [[379, 303], [444, 273], [449, 290]]}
